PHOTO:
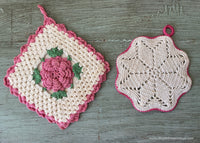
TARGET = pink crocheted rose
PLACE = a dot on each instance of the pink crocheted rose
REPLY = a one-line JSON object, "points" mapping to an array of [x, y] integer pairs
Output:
{"points": [[56, 73]]}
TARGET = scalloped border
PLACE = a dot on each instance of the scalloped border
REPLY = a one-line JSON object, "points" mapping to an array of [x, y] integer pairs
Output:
{"points": [[61, 27], [129, 97]]}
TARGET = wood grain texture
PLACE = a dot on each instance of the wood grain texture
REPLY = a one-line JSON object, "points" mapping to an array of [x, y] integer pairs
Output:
{"points": [[109, 26]]}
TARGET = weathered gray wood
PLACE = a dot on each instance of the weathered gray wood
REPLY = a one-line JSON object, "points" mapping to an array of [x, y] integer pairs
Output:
{"points": [[109, 26]]}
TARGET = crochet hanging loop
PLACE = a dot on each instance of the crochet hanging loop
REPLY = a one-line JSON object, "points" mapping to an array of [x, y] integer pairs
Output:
{"points": [[43, 12], [165, 30]]}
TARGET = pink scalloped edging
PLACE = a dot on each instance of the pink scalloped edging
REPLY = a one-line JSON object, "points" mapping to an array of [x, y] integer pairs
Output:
{"points": [[31, 39], [129, 97]]}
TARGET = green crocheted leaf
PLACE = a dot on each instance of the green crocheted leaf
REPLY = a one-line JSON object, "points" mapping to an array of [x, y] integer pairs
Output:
{"points": [[44, 89], [42, 59], [36, 76], [72, 85], [54, 52], [77, 70], [59, 94], [69, 58]]}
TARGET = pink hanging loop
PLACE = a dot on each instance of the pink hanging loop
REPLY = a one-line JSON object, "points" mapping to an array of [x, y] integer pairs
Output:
{"points": [[43, 11], [168, 27]]}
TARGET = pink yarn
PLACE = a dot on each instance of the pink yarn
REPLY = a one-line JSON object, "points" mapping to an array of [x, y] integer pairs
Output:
{"points": [[168, 27], [90, 97], [56, 73]]}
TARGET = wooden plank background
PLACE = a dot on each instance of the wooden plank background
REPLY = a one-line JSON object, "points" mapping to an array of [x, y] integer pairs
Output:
{"points": [[109, 26]]}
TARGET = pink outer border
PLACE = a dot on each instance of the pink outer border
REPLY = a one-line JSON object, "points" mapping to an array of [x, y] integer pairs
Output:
{"points": [[31, 39], [129, 97]]}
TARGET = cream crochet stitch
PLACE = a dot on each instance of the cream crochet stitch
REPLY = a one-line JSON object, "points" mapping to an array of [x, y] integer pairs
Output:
{"points": [[19, 77], [152, 73]]}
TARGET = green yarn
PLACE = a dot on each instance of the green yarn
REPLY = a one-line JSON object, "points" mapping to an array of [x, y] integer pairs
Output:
{"points": [[42, 59], [44, 89], [36, 76], [54, 52], [77, 70], [69, 58], [72, 85], [59, 94]]}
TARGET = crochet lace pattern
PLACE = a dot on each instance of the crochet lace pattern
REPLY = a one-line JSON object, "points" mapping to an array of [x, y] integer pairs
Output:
{"points": [[152, 73], [56, 73]]}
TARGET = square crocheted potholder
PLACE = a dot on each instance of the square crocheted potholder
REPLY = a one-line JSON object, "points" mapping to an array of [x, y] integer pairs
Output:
{"points": [[57, 73], [153, 73]]}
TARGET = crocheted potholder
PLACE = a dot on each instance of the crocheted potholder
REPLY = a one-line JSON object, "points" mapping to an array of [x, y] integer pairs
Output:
{"points": [[152, 73], [57, 73]]}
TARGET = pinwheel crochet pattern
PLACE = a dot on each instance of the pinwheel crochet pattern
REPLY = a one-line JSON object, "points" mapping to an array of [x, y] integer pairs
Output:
{"points": [[153, 73]]}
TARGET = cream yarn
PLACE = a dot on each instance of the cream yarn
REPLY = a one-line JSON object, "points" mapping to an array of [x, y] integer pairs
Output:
{"points": [[152, 73], [19, 77]]}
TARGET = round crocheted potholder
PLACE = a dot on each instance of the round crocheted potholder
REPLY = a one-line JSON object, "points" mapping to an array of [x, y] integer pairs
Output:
{"points": [[57, 73], [153, 73]]}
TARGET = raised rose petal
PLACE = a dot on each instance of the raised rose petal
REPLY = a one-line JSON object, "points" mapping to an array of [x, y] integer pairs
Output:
{"points": [[47, 66], [69, 73], [47, 60], [42, 73], [48, 75], [69, 65], [55, 62], [55, 74], [61, 73], [67, 82], [61, 79], [63, 65], [57, 85], [48, 83]]}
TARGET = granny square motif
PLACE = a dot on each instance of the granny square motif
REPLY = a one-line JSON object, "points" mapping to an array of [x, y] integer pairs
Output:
{"points": [[152, 73], [57, 73]]}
